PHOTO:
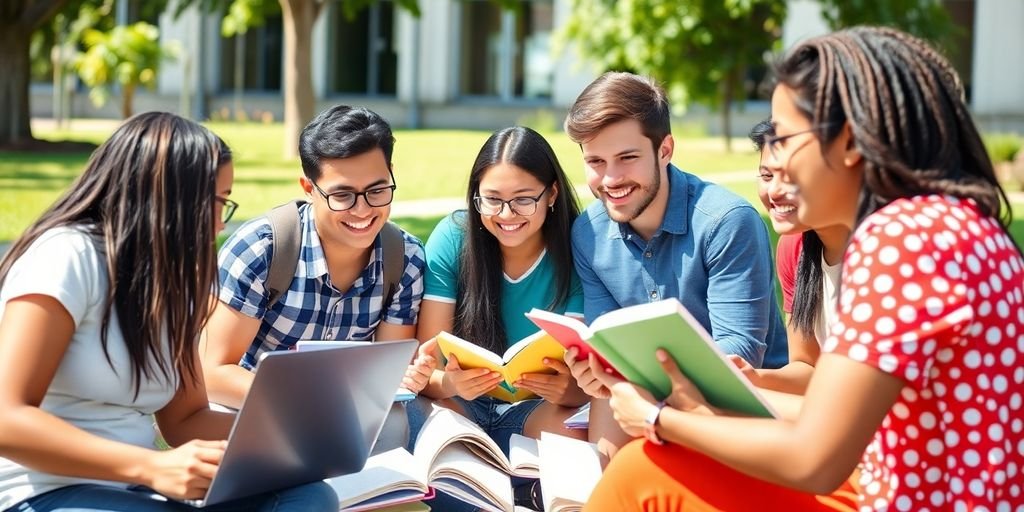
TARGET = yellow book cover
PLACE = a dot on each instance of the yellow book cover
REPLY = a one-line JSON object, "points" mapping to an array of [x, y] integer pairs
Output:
{"points": [[525, 356]]}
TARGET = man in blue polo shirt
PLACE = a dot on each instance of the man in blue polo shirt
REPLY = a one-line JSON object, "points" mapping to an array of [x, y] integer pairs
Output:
{"points": [[658, 232], [337, 292]]}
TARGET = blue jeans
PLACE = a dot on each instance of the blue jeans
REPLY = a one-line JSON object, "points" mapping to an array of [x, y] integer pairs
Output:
{"points": [[106, 498]]}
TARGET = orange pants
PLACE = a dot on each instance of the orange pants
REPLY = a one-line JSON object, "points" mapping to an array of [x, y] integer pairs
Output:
{"points": [[670, 478]]}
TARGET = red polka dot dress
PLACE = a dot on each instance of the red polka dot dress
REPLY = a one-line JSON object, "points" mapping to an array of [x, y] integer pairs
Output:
{"points": [[933, 293]]}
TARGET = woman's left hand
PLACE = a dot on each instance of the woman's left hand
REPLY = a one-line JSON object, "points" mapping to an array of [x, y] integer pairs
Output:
{"points": [[630, 403], [559, 388], [684, 395]]}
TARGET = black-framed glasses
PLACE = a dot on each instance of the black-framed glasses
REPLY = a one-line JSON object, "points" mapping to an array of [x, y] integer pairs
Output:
{"points": [[228, 208], [777, 144], [346, 199], [523, 205]]}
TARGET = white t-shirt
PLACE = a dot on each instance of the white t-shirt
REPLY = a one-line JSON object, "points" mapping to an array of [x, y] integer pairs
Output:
{"points": [[830, 275], [66, 264]]}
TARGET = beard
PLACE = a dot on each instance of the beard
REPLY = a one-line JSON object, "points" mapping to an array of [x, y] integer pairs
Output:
{"points": [[646, 194]]}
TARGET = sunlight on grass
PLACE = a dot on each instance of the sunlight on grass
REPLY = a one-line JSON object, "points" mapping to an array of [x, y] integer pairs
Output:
{"points": [[428, 164]]}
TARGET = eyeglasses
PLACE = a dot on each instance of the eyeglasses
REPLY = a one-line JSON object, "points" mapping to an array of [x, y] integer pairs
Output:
{"points": [[523, 206], [777, 145], [228, 208], [345, 200]]}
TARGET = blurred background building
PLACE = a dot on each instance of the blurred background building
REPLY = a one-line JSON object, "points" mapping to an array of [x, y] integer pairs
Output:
{"points": [[472, 64]]}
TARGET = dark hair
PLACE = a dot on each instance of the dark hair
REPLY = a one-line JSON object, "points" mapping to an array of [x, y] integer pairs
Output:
{"points": [[760, 132], [808, 296], [905, 106], [478, 308], [147, 196], [343, 132], [618, 96], [807, 300]]}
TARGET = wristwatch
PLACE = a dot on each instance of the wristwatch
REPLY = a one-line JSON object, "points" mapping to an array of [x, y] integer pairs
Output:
{"points": [[651, 423]]}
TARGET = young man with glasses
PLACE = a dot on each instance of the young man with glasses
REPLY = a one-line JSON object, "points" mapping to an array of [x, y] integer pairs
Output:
{"points": [[658, 232], [338, 291]]}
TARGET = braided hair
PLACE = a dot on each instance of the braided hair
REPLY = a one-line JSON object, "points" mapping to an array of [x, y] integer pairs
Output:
{"points": [[905, 106]]}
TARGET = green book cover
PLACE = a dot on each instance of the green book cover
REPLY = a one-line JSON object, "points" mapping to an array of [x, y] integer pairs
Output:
{"points": [[628, 338]]}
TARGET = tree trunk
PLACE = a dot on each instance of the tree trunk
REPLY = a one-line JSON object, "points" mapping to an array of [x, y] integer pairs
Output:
{"points": [[298, 17], [14, 104], [729, 85], [127, 97], [17, 21]]}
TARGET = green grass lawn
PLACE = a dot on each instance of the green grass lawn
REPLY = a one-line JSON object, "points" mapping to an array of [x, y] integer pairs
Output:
{"points": [[428, 164]]}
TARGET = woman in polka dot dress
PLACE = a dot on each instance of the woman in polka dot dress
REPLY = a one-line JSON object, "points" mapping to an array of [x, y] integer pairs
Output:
{"points": [[921, 378]]}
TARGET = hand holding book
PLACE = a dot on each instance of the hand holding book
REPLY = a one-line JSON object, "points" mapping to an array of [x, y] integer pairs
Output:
{"points": [[468, 383], [624, 341], [558, 388], [476, 370], [632, 404]]}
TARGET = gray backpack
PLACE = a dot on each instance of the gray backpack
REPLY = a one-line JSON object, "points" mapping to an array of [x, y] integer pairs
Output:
{"points": [[287, 243]]}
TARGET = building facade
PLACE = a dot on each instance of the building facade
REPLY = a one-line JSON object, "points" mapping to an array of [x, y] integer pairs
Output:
{"points": [[470, 64]]}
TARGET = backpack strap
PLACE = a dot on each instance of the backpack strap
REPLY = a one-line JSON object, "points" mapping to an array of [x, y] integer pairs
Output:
{"points": [[286, 240], [393, 246]]}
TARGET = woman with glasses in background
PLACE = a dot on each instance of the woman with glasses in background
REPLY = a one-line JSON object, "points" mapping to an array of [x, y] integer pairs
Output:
{"points": [[507, 253]]}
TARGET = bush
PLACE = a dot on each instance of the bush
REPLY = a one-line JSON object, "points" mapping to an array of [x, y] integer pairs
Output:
{"points": [[1003, 147]]}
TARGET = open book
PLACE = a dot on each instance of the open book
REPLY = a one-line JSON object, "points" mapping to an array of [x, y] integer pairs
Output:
{"points": [[452, 454], [627, 338], [568, 468], [569, 471], [525, 356]]}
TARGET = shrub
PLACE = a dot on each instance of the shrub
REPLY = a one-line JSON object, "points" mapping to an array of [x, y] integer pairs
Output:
{"points": [[1003, 147]]}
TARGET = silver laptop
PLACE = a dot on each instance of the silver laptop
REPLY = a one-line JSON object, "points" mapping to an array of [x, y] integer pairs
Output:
{"points": [[309, 416]]}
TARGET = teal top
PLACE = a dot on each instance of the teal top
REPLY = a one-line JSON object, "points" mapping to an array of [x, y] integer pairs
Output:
{"points": [[534, 289]]}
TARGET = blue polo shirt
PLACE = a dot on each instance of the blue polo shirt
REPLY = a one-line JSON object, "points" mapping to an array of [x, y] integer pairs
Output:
{"points": [[712, 252]]}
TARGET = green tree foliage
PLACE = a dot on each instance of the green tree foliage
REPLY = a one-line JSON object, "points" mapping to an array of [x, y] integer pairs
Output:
{"points": [[127, 55], [699, 49], [927, 19]]}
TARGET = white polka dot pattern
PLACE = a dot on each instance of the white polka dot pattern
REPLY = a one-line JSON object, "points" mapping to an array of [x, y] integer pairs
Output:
{"points": [[933, 293]]}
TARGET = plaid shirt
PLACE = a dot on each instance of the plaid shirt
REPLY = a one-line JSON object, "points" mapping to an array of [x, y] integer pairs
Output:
{"points": [[312, 309]]}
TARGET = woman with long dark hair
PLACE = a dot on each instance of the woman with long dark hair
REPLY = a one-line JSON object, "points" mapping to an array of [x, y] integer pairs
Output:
{"points": [[919, 381], [101, 304], [486, 266]]}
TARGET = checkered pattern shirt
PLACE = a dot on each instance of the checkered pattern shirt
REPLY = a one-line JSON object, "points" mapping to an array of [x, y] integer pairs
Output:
{"points": [[312, 309]]}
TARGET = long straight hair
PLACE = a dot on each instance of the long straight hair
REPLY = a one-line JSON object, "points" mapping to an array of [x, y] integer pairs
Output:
{"points": [[481, 265], [905, 106], [147, 199]]}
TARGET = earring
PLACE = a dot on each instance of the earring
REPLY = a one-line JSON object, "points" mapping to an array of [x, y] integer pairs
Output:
{"points": [[552, 206]]}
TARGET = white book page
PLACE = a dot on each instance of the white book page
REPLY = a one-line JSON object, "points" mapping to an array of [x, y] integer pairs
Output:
{"points": [[523, 456], [384, 472], [632, 314], [445, 427], [569, 322], [488, 487], [569, 471], [520, 345], [580, 420]]}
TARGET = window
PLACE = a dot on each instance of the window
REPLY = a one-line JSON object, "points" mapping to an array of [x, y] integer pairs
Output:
{"points": [[259, 52], [361, 56], [506, 53]]}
